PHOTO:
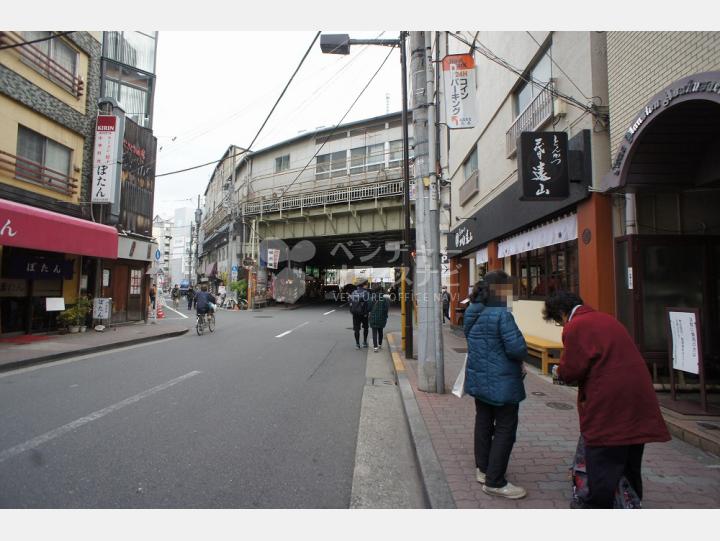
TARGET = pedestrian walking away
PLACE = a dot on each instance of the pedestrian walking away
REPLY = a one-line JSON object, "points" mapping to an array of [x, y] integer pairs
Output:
{"points": [[378, 315], [175, 294], [359, 308], [153, 294], [190, 297], [494, 377], [445, 304], [617, 406]]}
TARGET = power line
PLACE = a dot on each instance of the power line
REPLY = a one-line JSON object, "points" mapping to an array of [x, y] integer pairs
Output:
{"points": [[338, 124], [261, 127], [24, 43]]}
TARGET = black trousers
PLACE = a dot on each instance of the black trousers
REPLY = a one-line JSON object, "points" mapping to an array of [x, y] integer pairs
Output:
{"points": [[606, 465], [358, 321], [446, 312], [495, 430], [377, 333]]}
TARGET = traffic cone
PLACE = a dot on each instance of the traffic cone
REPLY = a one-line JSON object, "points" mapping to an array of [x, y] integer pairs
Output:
{"points": [[160, 313]]}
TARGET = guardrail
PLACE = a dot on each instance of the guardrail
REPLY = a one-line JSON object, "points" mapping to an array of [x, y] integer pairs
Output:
{"points": [[322, 198]]}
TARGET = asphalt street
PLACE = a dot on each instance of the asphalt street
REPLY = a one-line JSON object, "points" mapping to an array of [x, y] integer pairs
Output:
{"points": [[263, 413]]}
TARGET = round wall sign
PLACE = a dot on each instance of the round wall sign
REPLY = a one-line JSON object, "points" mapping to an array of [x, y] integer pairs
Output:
{"points": [[586, 236]]}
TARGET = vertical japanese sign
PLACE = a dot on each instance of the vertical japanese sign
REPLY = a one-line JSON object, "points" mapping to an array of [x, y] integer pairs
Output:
{"points": [[273, 258], [459, 77], [105, 159], [543, 166], [684, 331]]}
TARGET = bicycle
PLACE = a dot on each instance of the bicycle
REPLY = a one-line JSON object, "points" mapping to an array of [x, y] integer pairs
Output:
{"points": [[203, 321]]}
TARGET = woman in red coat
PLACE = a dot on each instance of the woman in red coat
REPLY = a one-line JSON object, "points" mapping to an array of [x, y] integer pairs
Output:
{"points": [[617, 406]]}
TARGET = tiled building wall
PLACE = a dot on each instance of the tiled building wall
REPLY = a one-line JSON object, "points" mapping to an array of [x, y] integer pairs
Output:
{"points": [[640, 64]]}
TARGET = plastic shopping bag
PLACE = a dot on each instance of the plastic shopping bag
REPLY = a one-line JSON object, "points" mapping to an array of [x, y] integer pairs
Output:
{"points": [[459, 387]]}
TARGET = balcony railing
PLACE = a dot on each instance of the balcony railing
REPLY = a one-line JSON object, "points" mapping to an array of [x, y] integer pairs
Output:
{"points": [[215, 220], [44, 64], [535, 115], [362, 192], [469, 188], [35, 173]]}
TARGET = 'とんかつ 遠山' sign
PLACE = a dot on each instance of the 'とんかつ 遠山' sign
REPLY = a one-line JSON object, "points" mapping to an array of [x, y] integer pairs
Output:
{"points": [[543, 166], [459, 77]]}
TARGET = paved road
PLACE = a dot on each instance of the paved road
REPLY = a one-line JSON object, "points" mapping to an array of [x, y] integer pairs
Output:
{"points": [[252, 416]]}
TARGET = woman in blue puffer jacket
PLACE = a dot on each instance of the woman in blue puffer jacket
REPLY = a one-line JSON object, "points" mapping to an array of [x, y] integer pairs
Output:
{"points": [[494, 377]]}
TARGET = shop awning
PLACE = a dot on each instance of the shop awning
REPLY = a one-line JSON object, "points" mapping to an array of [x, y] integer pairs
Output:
{"points": [[30, 227], [547, 234]]}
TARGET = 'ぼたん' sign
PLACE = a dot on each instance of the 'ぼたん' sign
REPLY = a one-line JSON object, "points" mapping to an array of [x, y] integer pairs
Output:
{"points": [[543, 166]]}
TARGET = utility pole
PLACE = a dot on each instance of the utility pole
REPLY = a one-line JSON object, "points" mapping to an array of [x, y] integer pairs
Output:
{"points": [[431, 365]]}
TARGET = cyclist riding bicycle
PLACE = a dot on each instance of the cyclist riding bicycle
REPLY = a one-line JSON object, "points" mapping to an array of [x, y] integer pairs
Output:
{"points": [[204, 300]]}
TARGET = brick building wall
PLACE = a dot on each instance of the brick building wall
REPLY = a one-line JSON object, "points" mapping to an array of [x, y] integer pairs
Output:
{"points": [[640, 64]]}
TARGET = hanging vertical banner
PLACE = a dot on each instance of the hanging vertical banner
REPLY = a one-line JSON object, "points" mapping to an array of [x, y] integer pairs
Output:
{"points": [[459, 77], [105, 159], [543, 165]]}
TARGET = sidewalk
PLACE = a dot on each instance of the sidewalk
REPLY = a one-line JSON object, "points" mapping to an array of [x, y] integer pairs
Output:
{"points": [[676, 474], [44, 348]]}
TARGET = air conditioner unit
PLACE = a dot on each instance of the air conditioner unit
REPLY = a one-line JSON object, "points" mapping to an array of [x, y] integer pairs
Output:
{"points": [[559, 107]]}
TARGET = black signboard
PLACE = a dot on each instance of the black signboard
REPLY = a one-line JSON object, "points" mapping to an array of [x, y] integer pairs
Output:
{"points": [[543, 166], [39, 267]]}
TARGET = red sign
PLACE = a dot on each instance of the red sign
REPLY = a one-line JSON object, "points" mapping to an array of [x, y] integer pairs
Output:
{"points": [[29, 227]]}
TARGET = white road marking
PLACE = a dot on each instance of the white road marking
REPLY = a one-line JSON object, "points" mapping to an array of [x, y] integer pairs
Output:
{"points": [[44, 438], [83, 357], [330, 312], [291, 330], [173, 309]]}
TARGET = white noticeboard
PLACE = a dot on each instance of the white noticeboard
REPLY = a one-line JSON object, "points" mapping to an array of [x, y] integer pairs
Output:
{"points": [[54, 304], [101, 308], [685, 351], [105, 159], [273, 258]]}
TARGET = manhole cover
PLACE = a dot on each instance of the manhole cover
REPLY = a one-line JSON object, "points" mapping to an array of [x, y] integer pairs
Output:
{"points": [[709, 426], [559, 405], [460, 350], [262, 317], [538, 393]]}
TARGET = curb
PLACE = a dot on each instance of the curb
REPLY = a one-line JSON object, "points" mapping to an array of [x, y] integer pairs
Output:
{"points": [[86, 351], [432, 474]]}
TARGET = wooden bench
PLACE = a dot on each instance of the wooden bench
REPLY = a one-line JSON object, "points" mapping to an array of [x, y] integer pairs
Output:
{"points": [[541, 348]]}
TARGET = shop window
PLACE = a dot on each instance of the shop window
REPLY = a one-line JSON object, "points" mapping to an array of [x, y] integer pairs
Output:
{"points": [[541, 272]]}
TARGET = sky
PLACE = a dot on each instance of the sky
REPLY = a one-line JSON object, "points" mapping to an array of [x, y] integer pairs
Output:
{"points": [[215, 89]]}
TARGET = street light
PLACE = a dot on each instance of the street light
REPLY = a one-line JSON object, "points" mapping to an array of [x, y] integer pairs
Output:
{"points": [[340, 44]]}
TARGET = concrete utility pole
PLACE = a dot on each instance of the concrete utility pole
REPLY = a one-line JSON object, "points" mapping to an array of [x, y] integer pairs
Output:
{"points": [[431, 365]]}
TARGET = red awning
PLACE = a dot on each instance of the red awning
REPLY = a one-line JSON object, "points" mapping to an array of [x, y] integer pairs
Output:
{"points": [[29, 227]]}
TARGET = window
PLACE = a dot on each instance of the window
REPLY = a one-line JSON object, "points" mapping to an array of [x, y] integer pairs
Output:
{"points": [[540, 272], [54, 58], [42, 160], [396, 153], [135, 49], [471, 164], [357, 160], [331, 165], [282, 163], [135, 281], [370, 158], [132, 89], [529, 91]]}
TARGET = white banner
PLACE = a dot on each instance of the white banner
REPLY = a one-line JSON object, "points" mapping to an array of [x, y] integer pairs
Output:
{"points": [[273, 258], [460, 91], [562, 230], [101, 308], [105, 159]]}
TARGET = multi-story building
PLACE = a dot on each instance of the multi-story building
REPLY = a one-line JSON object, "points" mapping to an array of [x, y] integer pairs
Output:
{"points": [[182, 252], [664, 90], [530, 82], [163, 233], [340, 189], [49, 242]]}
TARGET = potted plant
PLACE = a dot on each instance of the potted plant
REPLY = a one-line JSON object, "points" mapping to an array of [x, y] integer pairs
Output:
{"points": [[68, 318], [82, 308]]}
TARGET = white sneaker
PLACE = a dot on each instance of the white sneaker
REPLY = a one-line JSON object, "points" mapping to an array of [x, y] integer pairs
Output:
{"points": [[509, 491], [375, 350], [480, 476]]}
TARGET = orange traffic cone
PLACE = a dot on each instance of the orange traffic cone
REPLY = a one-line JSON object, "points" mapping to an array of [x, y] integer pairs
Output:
{"points": [[160, 313]]}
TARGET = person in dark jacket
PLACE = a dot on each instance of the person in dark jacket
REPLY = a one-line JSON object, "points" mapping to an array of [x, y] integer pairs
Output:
{"points": [[359, 307], [203, 299], [617, 406], [190, 297], [494, 377], [445, 304], [378, 315]]}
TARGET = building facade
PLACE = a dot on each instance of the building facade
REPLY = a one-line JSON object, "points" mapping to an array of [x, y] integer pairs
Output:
{"points": [[664, 90], [50, 245], [529, 82], [163, 233]]}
